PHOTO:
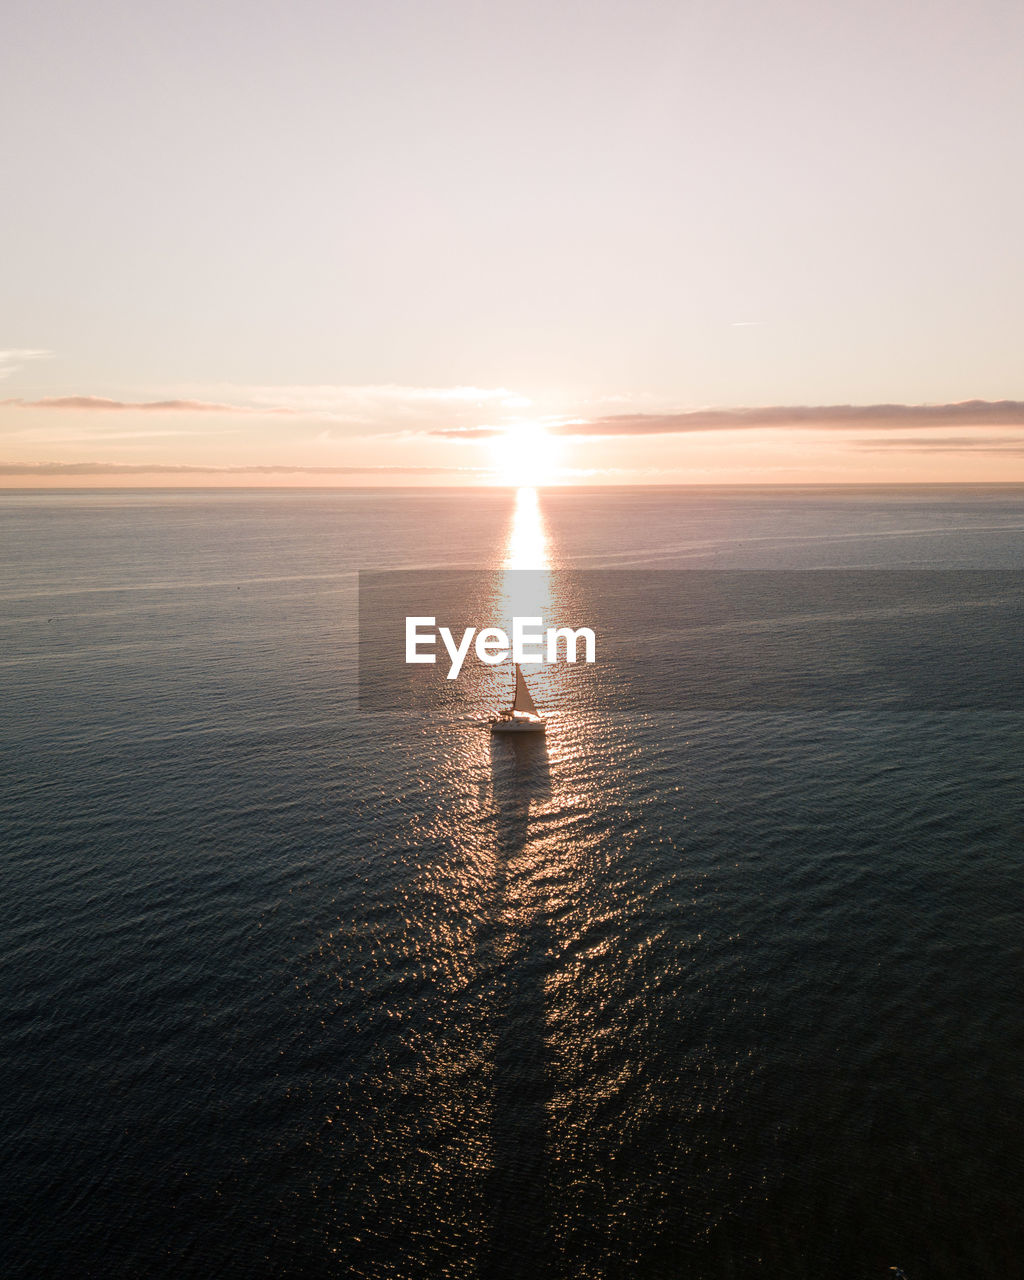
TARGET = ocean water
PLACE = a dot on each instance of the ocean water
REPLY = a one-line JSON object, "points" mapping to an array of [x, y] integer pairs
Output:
{"points": [[291, 988]]}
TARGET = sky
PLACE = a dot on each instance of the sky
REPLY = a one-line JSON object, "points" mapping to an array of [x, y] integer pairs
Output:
{"points": [[489, 242]]}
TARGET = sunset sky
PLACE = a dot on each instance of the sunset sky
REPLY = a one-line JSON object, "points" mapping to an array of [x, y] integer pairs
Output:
{"points": [[446, 243]]}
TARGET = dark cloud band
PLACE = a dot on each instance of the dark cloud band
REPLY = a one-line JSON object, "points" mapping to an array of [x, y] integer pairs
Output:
{"points": [[102, 403], [145, 469], [840, 417]]}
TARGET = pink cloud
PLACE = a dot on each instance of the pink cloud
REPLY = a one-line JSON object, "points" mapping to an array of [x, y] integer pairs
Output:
{"points": [[100, 402], [842, 417], [153, 468]]}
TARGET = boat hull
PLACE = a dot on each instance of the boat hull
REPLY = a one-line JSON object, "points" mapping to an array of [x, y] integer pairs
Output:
{"points": [[517, 726]]}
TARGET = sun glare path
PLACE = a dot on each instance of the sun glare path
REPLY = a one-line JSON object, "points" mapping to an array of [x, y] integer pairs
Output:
{"points": [[527, 546], [526, 594]]}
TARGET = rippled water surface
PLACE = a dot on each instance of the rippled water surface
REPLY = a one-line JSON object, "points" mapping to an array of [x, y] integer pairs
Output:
{"points": [[294, 990]]}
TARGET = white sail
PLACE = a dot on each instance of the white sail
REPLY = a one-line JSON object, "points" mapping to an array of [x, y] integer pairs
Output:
{"points": [[523, 701], [522, 716]]}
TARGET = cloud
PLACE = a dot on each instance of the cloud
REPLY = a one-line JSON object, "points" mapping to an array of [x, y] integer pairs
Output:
{"points": [[1013, 445], [100, 402], [383, 409], [344, 399], [60, 436], [378, 409], [473, 433], [14, 357], [145, 468], [841, 417]]}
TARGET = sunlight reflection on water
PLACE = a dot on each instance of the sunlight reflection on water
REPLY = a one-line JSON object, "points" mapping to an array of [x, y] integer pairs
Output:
{"points": [[527, 546]]}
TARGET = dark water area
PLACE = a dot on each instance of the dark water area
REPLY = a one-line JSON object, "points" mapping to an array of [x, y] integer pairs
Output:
{"points": [[292, 989]]}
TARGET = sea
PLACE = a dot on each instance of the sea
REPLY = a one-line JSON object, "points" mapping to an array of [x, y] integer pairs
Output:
{"points": [[291, 986]]}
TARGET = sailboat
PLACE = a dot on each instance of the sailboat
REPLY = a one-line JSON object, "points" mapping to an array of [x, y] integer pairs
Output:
{"points": [[522, 716]]}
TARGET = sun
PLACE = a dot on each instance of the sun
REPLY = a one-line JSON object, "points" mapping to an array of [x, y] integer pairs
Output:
{"points": [[526, 455]]}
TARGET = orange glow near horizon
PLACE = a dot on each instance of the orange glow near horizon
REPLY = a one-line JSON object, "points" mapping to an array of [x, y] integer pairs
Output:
{"points": [[525, 454]]}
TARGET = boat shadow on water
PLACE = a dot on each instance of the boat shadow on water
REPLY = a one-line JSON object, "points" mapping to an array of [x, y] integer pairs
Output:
{"points": [[521, 947]]}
